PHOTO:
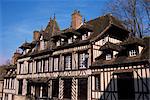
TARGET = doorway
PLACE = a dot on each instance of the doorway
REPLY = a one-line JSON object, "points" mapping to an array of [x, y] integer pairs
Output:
{"points": [[125, 85]]}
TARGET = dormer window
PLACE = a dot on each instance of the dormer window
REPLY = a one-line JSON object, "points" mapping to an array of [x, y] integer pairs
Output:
{"points": [[70, 40], [58, 43], [84, 37], [74, 38], [103, 41], [132, 53], [108, 56], [89, 33], [62, 41]]}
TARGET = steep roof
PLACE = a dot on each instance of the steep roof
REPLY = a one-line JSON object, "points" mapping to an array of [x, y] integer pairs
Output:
{"points": [[51, 29], [111, 46], [103, 23], [133, 40]]}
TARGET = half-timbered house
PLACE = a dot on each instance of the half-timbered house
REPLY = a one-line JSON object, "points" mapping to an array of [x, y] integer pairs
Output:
{"points": [[64, 64], [122, 70]]}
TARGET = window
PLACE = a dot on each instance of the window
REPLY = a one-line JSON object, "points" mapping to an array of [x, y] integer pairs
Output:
{"points": [[6, 96], [62, 41], [20, 86], [12, 83], [38, 66], [83, 60], [67, 62], [29, 67], [7, 83], [97, 82], [56, 63], [21, 70], [103, 41], [45, 64], [58, 43], [84, 37], [70, 40], [74, 38], [132, 53], [108, 57]]}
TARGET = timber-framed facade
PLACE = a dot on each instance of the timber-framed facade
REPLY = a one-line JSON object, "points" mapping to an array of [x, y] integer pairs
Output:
{"points": [[83, 62]]}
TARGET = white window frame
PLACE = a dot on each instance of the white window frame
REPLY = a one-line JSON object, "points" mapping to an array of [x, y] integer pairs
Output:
{"points": [[56, 64], [108, 56], [83, 60], [70, 40], [68, 62], [132, 53]]}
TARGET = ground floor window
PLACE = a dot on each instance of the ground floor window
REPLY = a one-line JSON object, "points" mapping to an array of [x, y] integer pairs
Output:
{"points": [[67, 88], [6, 97], [55, 88], [82, 89], [20, 86]]}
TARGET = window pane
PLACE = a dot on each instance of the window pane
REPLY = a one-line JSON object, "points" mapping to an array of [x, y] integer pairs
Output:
{"points": [[68, 62], [56, 64], [83, 60]]}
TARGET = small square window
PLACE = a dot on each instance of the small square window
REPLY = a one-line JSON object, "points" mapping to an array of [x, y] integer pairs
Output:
{"points": [[108, 57], [132, 53]]}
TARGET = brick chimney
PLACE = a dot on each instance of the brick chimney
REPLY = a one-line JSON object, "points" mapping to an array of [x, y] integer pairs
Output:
{"points": [[15, 57], [76, 20], [36, 35]]}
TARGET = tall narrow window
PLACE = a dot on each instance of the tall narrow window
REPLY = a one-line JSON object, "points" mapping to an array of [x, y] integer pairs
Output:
{"points": [[6, 96], [21, 70], [56, 63], [38, 66], [97, 82], [29, 67], [45, 64], [20, 86], [67, 62], [83, 60]]}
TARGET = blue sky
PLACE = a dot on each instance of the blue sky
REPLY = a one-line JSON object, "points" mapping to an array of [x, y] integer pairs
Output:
{"points": [[19, 18]]}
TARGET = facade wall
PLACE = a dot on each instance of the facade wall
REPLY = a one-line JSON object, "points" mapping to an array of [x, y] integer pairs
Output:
{"points": [[108, 83]]}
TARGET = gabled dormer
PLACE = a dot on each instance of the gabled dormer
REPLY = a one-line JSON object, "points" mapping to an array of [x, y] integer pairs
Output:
{"points": [[110, 50], [133, 45]]}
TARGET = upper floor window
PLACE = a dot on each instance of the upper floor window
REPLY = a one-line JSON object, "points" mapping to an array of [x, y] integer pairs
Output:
{"points": [[97, 82], [132, 53], [20, 86], [56, 63], [74, 38], [67, 62], [38, 66], [45, 64], [13, 83], [29, 67], [42, 45], [21, 69], [108, 56], [83, 60]]}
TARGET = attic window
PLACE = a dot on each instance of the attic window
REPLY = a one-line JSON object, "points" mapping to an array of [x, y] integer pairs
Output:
{"points": [[58, 43], [70, 40], [132, 53], [108, 56]]}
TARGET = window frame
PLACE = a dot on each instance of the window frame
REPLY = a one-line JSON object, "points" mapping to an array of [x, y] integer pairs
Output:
{"points": [[86, 66], [97, 82], [55, 62], [44, 65], [68, 61]]}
